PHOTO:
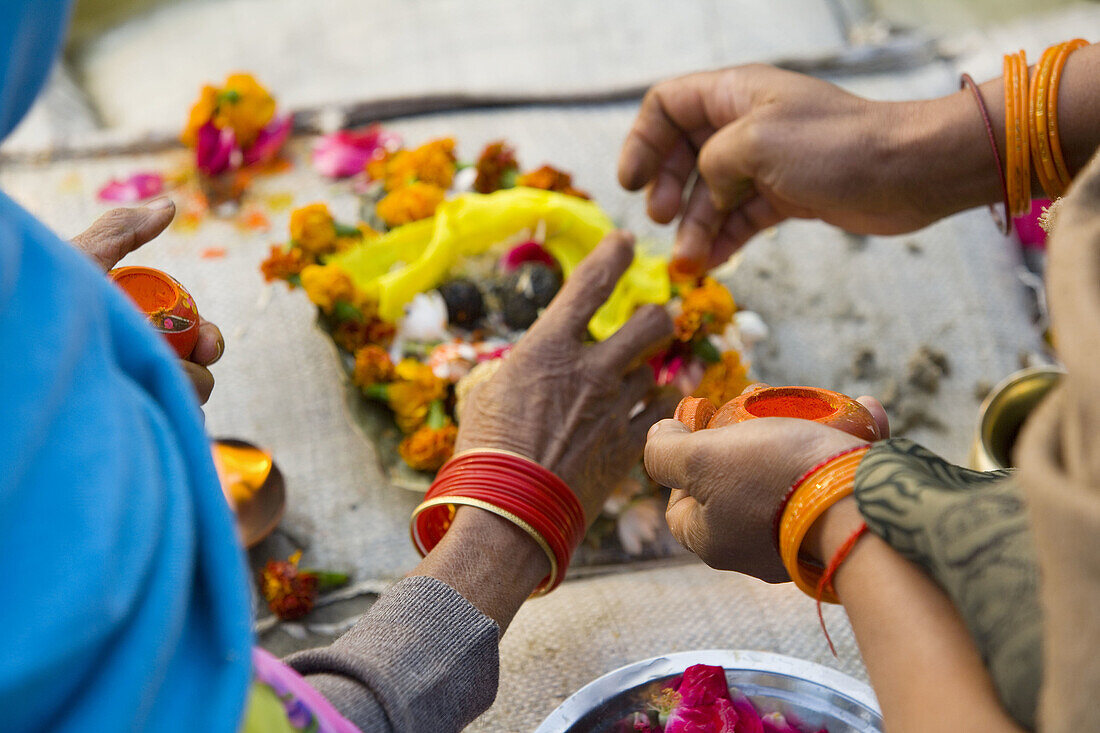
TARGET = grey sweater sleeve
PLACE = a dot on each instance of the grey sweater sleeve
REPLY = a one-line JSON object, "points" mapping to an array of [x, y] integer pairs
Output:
{"points": [[422, 659]]}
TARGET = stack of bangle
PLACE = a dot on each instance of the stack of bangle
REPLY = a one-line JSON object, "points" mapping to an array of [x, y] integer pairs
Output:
{"points": [[1031, 126], [1046, 146], [821, 487], [510, 486]]}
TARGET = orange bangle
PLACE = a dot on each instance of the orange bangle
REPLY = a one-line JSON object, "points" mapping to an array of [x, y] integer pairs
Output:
{"points": [[1020, 134], [1037, 122], [812, 496], [1052, 108], [1011, 151]]}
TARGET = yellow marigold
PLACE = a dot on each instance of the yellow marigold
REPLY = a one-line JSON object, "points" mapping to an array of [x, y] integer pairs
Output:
{"points": [[412, 393], [327, 285], [411, 203], [549, 178], [372, 365], [706, 309], [201, 112], [724, 380], [429, 448], [245, 106], [433, 162], [282, 263], [313, 229]]}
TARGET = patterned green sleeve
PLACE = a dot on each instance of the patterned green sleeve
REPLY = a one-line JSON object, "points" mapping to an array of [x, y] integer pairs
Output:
{"points": [[969, 530]]}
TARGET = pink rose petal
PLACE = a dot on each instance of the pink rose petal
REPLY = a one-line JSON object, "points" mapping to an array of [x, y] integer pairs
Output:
{"points": [[526, 252], [1029, 230], [748, 720], [346, 152], [717, 716], [270, 140], [216, 150], [137, 187]]}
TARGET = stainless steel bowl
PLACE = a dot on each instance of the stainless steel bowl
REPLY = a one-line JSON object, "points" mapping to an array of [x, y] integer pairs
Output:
{"points": [[814, 695]]}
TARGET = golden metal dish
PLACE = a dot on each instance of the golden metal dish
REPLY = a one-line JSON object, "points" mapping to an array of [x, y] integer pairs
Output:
{"points": [[253, 486]]}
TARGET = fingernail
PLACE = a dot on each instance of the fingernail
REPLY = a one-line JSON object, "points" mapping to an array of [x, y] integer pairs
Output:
{"points": [[653, 429], [157, 204], [221, 347]]}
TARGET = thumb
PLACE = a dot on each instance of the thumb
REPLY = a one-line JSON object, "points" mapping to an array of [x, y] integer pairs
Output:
{"points": [[667, 449], [120, 231]]}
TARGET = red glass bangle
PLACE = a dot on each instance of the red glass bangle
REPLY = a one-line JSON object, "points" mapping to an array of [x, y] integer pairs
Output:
{"points": [[513, 487], [1003, 223], [801, 480]]}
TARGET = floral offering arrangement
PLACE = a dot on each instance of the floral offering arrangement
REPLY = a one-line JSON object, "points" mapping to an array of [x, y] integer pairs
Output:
{"points": [[291, 591], [701, 701], [233, 133], [452, 263]]}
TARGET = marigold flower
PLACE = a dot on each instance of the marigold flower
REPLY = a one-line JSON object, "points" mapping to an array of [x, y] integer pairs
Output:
{"points": [[201, 112], [327, 285], [496, 168], [706, 309], [245, 107], [549, 178], [283, 263], [290, 594], [411, 203], [433, 162], [313, 229], [411, 394], [352, 335], [725, 379], [429, 448], [372, 365]]}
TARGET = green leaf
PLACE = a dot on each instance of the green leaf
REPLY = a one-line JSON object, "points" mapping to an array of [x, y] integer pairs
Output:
{"points": [[343, 230], [295, 280], [327, 580], [345, 311], [509, 177], [705, 350], [437, 416], [378, 392]]}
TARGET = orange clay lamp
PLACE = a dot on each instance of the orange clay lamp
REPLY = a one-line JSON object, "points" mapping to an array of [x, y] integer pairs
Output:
{"points": [[168, 306], [808, 403]]}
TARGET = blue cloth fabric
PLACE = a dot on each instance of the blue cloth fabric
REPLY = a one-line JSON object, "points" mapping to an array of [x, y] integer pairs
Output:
{"points": [[125, 603]]}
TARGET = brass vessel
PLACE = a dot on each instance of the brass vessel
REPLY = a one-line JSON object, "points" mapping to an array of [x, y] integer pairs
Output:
{"points": [[1003, 413]]}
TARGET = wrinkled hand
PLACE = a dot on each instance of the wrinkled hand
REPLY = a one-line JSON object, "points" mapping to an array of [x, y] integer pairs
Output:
{"points": [[118, 233], [567, 404], [767, 145], [728, 483]]}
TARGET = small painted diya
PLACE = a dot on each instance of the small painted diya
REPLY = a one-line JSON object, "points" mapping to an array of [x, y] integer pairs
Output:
{"points": [[168, 306], [807, 403]]}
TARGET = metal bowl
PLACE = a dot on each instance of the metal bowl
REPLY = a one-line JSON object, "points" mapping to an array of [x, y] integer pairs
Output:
{"points": [[813, 695]]}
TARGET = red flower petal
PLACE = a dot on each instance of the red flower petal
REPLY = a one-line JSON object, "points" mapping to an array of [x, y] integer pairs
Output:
{"points": [[216, 150], [270, 140], [346, 152]]}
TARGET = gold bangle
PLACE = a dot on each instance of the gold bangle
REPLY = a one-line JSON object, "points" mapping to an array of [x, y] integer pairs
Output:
{"points": [[452, 501], [812, 497]]}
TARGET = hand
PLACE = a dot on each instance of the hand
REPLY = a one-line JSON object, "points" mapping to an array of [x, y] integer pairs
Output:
{"points": [[771, 144], [118, 233], [567, 404], [728, 483]]}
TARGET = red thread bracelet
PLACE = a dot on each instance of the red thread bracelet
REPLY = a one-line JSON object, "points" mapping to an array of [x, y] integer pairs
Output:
{"points": [[1005, 223], [826, 581]]}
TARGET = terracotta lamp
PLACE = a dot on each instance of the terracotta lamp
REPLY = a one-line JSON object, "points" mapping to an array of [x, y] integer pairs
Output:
{"points": [[167, 305], [808, 403]]}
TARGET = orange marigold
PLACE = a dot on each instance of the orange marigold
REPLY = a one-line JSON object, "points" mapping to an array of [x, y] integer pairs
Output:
{"points": [[372, 365], [429, 448], [283, 263], [496, 165], [706, 309], [433, 162], [549, 178], [352, 335], [411, 394], [724, 380], [327, 285], [313, 229], [245, 106], [411, 203], [290, 594], [201, 112]]}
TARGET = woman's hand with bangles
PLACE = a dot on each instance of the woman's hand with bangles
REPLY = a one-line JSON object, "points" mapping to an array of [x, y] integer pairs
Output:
{"points": [[728, 484], [567, 404]]}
